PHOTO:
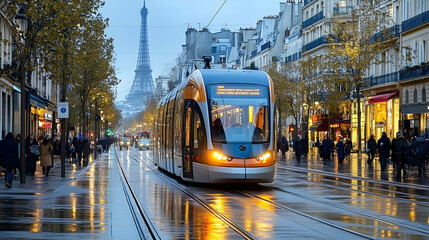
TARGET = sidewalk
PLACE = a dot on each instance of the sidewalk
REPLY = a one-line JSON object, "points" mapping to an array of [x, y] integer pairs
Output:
{"points": [[356, 167], [88, 203]]}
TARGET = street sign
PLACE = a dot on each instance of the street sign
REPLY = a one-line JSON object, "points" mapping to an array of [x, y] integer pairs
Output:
{"points": [[63, 110]]}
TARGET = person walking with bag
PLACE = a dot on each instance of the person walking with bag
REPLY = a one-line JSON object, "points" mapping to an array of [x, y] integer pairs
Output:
{"points": [[32, 153], [45, 155], [9, 157], [399, 150], [383, 146], [372, 145], [283, 146]]}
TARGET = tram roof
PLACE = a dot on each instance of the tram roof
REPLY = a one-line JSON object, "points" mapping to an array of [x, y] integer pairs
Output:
{"points": [[214, 76]]}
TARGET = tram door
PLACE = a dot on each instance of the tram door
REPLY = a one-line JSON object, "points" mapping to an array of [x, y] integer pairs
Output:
{"points": [[187, 139]]}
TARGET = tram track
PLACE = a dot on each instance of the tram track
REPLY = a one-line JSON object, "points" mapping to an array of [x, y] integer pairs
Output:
{"points": [[235, 226], [243, 233], [399, 196], [361, 213], [347, 176], [140, 217], [388, 220]]}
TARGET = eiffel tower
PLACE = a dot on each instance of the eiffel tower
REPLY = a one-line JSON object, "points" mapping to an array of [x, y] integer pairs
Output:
{"points": [[143, 86]]}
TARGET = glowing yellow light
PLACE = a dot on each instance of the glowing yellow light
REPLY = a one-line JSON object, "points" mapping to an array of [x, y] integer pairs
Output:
{"points": [[250, 114]]}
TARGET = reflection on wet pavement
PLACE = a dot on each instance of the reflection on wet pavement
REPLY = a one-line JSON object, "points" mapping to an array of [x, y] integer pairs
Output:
{"points": [[51, 207]]}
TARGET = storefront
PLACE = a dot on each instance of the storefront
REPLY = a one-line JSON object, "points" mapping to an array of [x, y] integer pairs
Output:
{"points": [[382, 114]]}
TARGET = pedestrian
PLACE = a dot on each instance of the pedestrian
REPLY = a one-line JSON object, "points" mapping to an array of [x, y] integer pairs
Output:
{"points": [[421, 146], [46, 150], [283, 146], [325, 149], [340, 150], [332, 146], [348, 149], [79, 149], [32, 153], [298, 148], [312, 146], [304, 146], [383, 146], [9, 157], [399, 150], [371, 147], [18, 140], [85, 151], [73, 148]]}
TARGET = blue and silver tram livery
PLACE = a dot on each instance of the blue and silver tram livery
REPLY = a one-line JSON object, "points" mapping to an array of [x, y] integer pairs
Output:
{"points": [[218, 127]]}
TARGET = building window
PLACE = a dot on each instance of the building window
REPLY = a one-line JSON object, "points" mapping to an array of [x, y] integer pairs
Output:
{"points": [[415, 95], [213, 49], [422, 51], [424, 94], [407, 97], [406, 10], [223, 49]]}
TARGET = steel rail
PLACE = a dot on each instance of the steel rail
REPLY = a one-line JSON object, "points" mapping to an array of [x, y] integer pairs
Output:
{"points": [[395, 184], [401, 199], [404, 225], [139, 215], [245, 234], [306, 215]]}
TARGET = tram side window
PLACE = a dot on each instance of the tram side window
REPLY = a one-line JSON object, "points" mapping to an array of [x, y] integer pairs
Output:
{"points": [[199, 132], [188, 126]]}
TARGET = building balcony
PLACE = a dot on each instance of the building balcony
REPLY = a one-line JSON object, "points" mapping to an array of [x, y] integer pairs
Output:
{"points": [[414, 72], [265, 46], [316, 43], [382, 79], [387, 34], [319, 16], [343, 10], [416, 21]]}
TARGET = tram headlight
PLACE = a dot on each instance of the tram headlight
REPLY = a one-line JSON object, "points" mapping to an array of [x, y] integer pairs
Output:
{"points": [[219, 156], [263, 158]]}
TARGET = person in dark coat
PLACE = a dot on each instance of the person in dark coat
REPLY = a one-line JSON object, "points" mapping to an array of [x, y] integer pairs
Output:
{"points": [[79, 149], [298, 148], [340, 150], [325, 149], [85, 151], [32, 153], [73, 148], [9, 157], [283, 146], [383, 146], [348, 148], [399, 150], [421, 146], [372, 145], [304, 143]]}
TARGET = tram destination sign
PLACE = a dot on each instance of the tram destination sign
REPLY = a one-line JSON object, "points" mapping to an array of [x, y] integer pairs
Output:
{"points": [[222, 90]]}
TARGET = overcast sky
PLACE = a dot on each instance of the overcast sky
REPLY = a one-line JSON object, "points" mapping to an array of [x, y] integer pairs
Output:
{"points": [[167, 22]]}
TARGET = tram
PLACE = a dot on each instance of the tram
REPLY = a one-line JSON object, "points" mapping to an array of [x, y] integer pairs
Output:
{"points": [[218, 127]]}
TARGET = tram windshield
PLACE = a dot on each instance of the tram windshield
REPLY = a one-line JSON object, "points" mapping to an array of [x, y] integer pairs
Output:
{"points": [[239, 113]]}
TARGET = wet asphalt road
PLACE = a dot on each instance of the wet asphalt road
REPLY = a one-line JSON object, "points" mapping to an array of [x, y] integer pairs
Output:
{"points": [[307, 200]]}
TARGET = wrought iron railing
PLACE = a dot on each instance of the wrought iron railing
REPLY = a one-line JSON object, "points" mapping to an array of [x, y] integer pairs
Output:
{"points": [[387, 34], [319, 16], [414, 72], [382, 79], [415, 21]]}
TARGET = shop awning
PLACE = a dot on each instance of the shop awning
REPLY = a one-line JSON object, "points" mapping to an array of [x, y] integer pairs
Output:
{"points": [[382, 97]]}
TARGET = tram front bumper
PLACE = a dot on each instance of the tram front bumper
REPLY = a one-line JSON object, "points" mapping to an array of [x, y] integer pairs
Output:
{"points": [[214, 174]]}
